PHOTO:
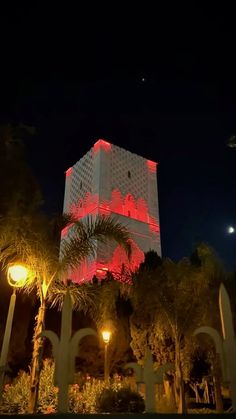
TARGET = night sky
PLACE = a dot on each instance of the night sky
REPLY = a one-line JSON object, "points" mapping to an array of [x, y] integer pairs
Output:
{"points": [[160, 83]]}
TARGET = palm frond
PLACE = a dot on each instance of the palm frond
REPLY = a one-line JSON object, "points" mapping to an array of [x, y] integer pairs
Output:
{"points": [[76, 250], [34, 241], [107, 228], [108, 293], [83, 296], [27, 240], [84, 238], [58, 222]]}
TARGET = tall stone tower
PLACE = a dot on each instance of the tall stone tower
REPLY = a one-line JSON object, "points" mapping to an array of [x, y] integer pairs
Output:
{"points": [[111, 181]]}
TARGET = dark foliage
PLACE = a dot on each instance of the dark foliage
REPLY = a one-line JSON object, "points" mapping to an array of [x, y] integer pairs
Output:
{"points": [[124, 400], [151, 262]]}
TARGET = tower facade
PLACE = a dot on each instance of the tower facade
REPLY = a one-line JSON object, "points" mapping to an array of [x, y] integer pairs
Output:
{"points": [[109, 180]]}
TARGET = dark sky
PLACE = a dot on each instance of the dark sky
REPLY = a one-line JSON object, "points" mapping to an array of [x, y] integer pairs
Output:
{"points": [[76, 75]]}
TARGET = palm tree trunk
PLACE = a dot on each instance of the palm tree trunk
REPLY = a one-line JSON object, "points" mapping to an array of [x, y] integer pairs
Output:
{"points": [[36, 365], [179, 382]]}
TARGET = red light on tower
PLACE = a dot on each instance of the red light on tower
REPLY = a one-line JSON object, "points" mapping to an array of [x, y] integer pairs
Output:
{"points": [[152, 166], [154, 227], [69, 171], [101, 144]]}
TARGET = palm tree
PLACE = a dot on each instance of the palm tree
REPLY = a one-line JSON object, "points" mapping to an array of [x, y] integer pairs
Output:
{"points": [[35, 241]]}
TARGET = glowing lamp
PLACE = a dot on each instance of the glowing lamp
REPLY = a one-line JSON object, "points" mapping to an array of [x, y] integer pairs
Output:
{"points": [[106, 336], [17, 275]]}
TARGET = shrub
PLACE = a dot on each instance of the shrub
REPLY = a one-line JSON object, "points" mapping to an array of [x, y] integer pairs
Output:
{"points": [[16, 395], [163, 405], [47, 402], [106, 401], [83, 398], [124, 400]]}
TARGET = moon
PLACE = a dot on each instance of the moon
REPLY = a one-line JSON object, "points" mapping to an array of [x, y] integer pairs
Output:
{"points": [[230, 230], [232, 141]]}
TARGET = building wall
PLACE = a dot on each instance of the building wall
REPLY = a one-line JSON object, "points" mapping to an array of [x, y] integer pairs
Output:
{"points": [[112, 181]]}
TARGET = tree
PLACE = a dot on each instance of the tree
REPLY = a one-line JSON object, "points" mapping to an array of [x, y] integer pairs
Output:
{"points": [[205, 257], [172, 309], [112, 313], [35, 241]]}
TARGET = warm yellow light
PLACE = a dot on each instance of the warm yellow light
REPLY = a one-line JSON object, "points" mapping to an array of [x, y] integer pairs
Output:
{"points": [[17, 274], [106, 336]]}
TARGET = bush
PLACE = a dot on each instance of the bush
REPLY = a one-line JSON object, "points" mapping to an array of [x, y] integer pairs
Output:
{"points": [[16, 395], [163, 405], [124, 400], [82, 398], [47, 402]]}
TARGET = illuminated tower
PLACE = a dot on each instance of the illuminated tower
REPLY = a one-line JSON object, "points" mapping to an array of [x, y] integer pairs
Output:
{"points": [[112, 181]]}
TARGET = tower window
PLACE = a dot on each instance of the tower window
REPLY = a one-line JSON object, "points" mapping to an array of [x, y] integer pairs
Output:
{"points": [[129, 174], [128, 213], [81, 184]]}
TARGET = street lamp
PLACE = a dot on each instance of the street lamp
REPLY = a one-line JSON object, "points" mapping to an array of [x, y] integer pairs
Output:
{"points": [[106, 334], [16, 277]]}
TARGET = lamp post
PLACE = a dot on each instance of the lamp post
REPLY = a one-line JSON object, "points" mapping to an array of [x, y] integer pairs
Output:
{"points": [[16, 276], [106, 339]]}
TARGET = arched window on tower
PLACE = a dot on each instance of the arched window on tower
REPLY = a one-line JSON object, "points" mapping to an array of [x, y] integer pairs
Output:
{"points": [[129, 174]]}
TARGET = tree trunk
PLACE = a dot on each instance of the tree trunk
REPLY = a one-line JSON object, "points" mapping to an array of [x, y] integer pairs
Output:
{"points": [[217, 384], [206, 392], [179, 382], [169, 390], [36, 364], [194, 387]]}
